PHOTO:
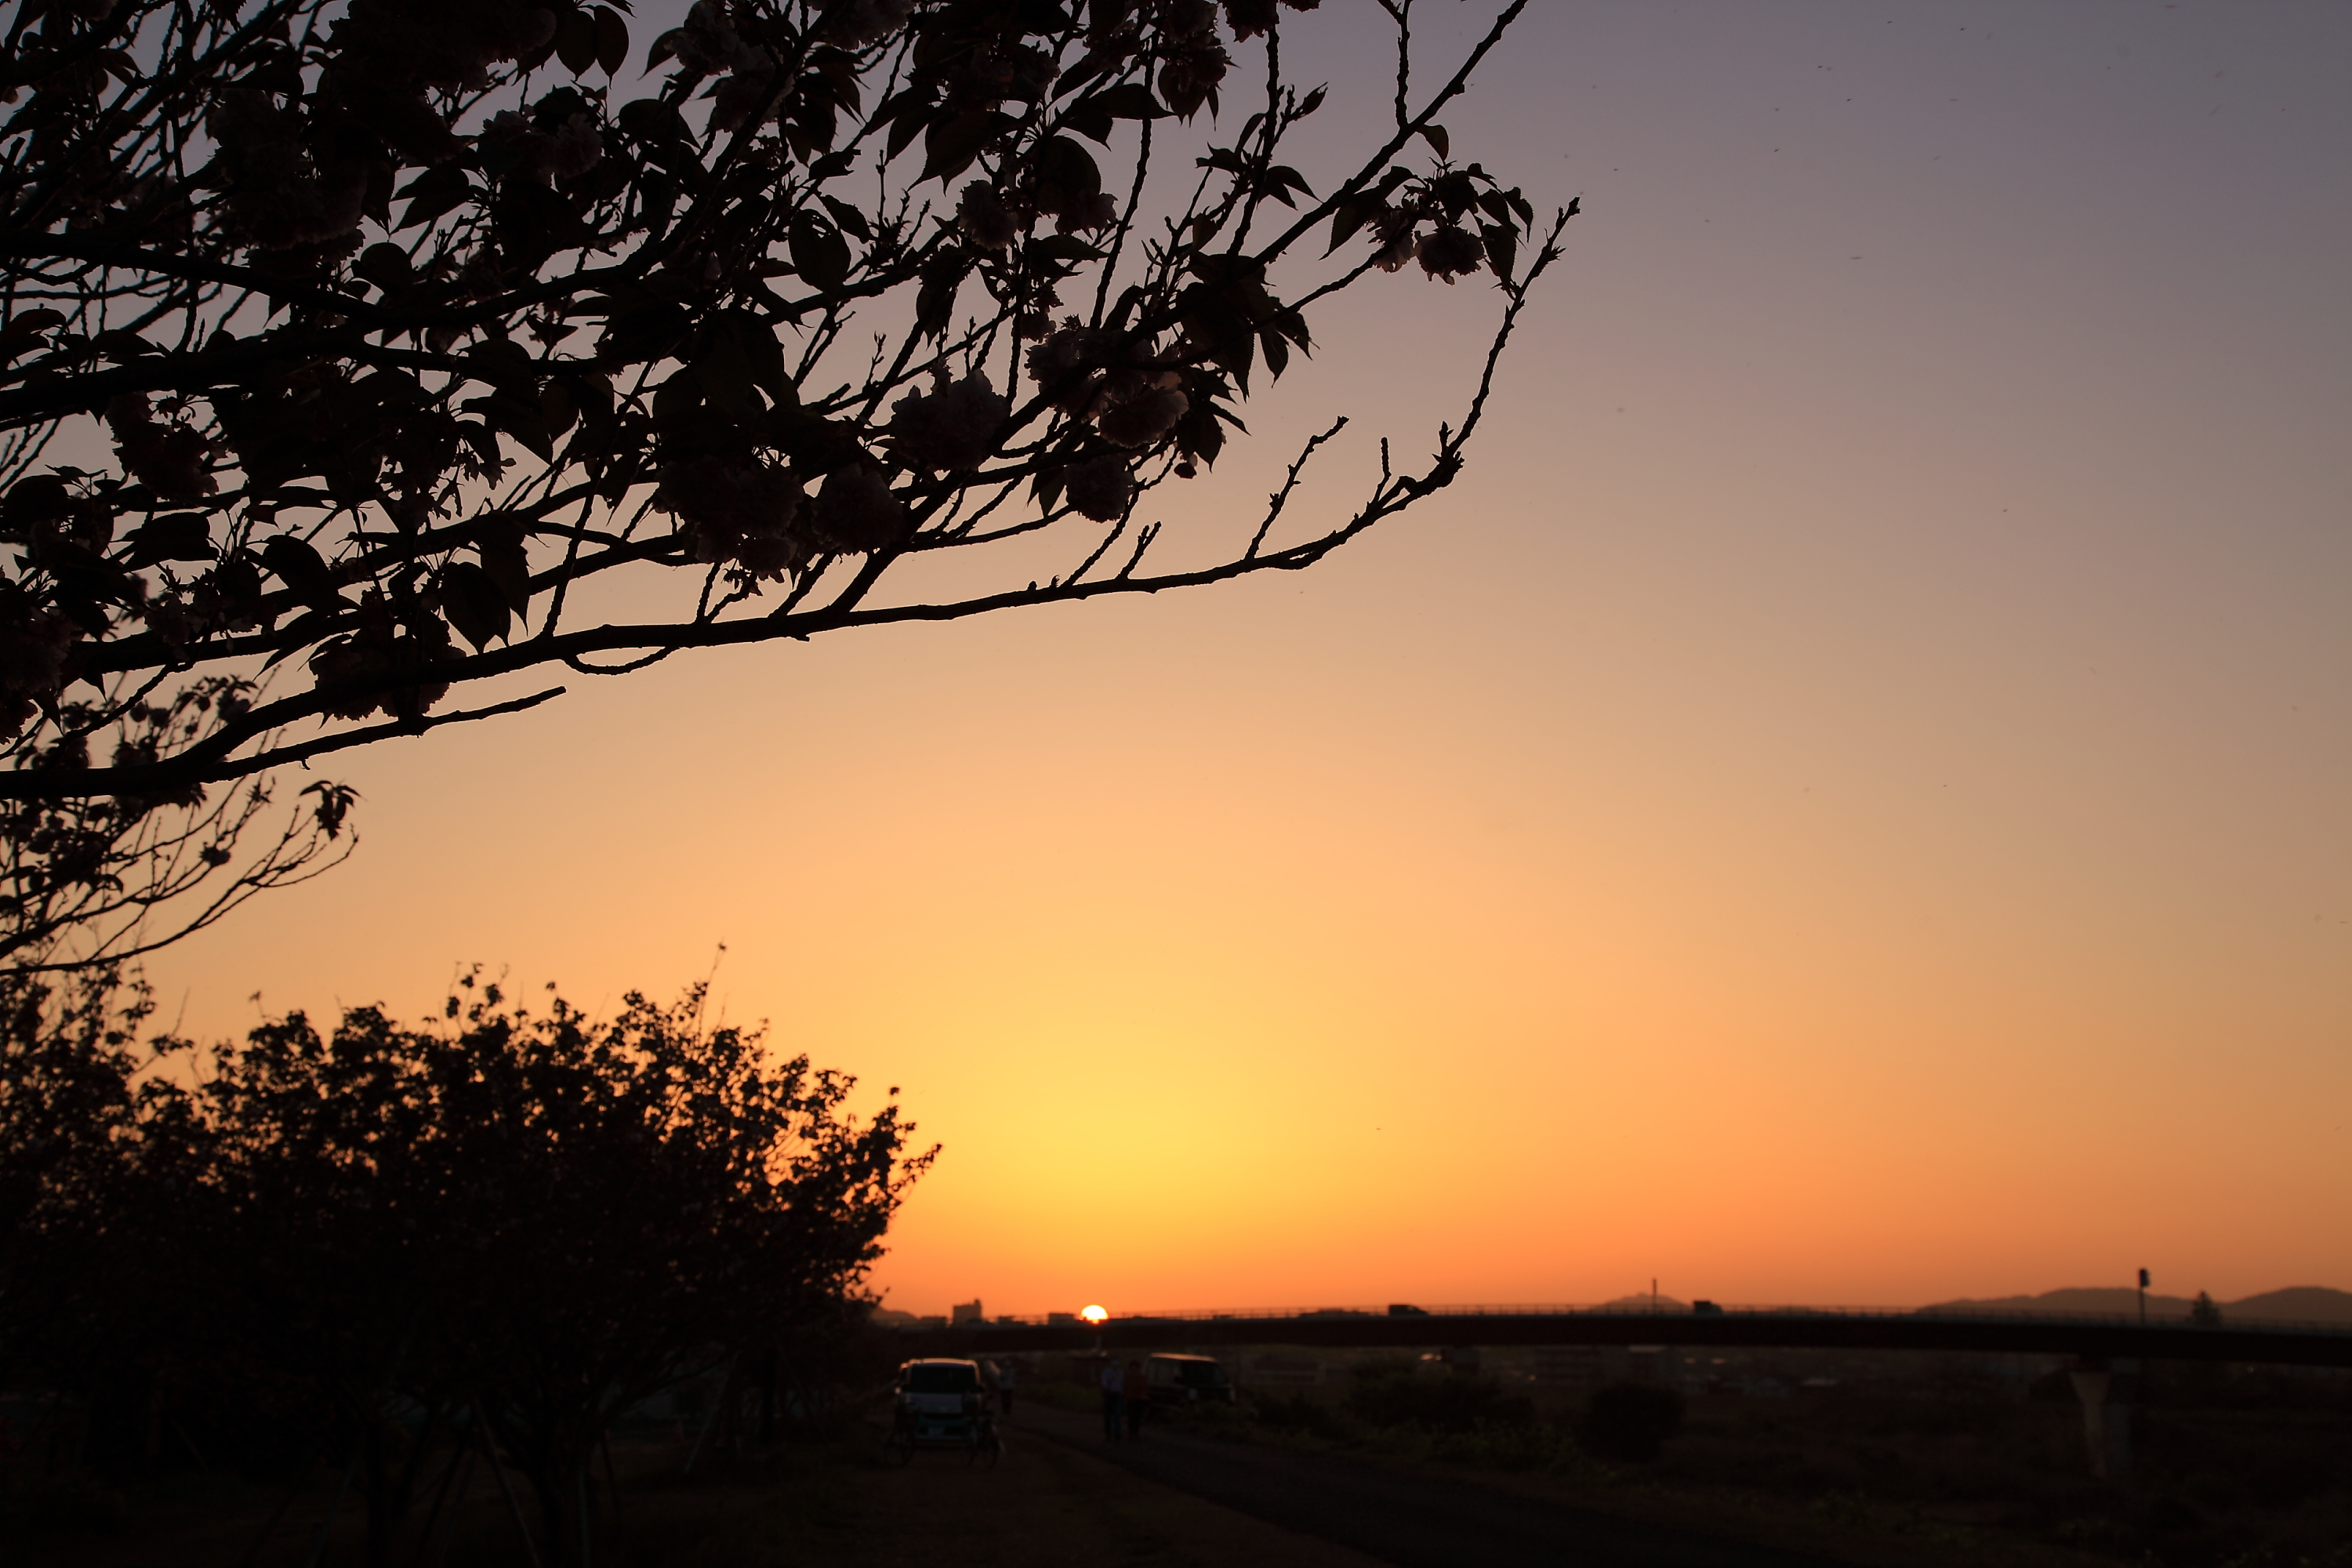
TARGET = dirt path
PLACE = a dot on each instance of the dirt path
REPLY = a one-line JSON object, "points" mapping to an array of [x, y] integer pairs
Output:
{"points": [[1405, 1520], [1047, 1504]]}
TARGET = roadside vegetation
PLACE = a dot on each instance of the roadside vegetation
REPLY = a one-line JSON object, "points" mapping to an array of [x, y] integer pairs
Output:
{"points": [[415, 1263]]}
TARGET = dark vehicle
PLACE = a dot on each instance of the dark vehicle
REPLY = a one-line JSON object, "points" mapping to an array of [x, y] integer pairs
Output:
{"points": [[1706, 1310], [1404, 1310], [943, 1405], [1188, 1379]]}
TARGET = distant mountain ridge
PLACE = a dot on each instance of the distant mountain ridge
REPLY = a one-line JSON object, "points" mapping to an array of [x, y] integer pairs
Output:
{"points": [[2295, 1304]]}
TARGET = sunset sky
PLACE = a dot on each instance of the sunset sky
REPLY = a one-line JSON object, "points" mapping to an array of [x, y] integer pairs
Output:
{"points": [[1848, 800]]}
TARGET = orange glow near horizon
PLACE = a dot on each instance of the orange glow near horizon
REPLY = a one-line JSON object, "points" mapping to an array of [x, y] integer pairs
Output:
{"points": [[1843, 801]]}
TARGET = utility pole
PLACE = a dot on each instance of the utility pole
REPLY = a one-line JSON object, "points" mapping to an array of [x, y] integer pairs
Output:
{"points": [[2143, 1298]]}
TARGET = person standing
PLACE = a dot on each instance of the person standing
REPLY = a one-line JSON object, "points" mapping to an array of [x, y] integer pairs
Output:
{"points": [[1136, 1392], [1113, 1385], [1007, 1376]]}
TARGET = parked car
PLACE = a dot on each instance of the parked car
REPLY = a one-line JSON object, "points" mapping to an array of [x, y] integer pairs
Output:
{"points": [[1188, 1379], [942, 1404]]}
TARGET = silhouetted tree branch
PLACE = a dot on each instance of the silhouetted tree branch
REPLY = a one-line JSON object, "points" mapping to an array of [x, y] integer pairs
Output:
{"points": [[82, 877], [861, 293]]}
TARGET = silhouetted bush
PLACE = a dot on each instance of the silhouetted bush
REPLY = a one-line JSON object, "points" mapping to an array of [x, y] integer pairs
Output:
{"points": [[1393, 1394], [2053, 1387], [389, 1245], [1225, 1423], [1299, 1414], [1629, 1422]]}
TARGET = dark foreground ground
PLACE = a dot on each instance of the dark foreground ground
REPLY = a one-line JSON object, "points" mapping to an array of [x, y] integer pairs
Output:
{"points": [[1398, 1514], [836, 1503], [1936, 1465], [1176, 1499], [1918, 1483]]}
